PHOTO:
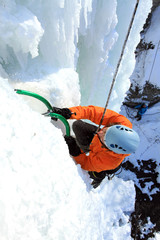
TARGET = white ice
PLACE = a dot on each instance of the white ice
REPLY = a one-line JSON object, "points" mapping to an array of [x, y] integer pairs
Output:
{"points": [[43, 45]]}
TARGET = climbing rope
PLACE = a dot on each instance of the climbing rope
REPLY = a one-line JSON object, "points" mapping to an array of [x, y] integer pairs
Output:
{"points": [[117, 68], [129, 114], [154, 61]]}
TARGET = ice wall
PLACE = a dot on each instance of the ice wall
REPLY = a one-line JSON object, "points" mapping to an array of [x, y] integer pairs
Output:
{"points": [[38, 47], [94, 46], [20, 34], [44, 195], [40, 38], [47, 31], [99, 53]]}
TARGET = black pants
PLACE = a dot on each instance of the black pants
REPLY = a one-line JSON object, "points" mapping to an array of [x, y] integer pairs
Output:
{"points": [[84, 133]]}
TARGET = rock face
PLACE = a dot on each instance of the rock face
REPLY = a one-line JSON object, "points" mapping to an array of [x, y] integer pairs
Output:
{"points": [[145, 219], [155, 3], [144, 88], [150, 93]]}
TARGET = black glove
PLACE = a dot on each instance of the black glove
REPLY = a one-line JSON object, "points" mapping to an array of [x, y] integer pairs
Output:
{"points": [[65, 112], [97, 178], [74, 149]]}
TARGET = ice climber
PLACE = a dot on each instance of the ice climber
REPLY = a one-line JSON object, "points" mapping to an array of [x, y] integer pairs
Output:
{"points": [[142, 108], [101, 152]]}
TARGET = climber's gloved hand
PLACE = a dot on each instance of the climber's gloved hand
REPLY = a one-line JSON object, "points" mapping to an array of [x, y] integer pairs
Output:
{"points": [[74, 149], [65, 112]]}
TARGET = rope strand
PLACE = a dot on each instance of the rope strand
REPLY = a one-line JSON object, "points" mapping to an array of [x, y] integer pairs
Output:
{"points": [[154, 61], [117, 68]]}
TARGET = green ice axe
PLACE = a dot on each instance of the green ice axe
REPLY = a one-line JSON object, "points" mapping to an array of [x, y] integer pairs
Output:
{"points": [[48, 105]]}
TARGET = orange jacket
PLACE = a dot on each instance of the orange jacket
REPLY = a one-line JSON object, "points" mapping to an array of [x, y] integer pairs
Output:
{"points": [[99, 159]]}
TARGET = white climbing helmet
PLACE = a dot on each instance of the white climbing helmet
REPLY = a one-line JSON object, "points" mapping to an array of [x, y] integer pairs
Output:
{"points": [[121, 139]]}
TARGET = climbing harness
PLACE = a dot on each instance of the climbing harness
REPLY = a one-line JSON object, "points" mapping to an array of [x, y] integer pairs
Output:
{"points": [[48, 105], [111, 176], [117, 68], [99, 177]]}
